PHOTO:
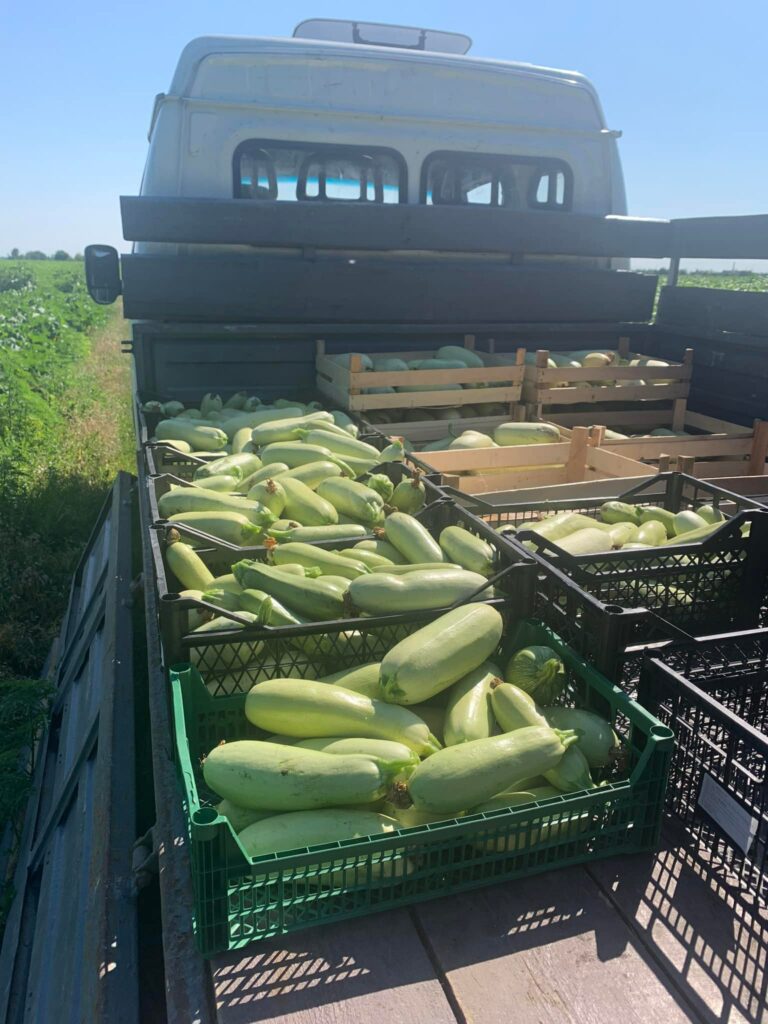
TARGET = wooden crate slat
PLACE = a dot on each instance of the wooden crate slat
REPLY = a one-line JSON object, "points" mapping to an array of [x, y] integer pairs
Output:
{"points": [[423, 431], [347, 384], [461, 460], [745, 450], [535, 395], [419, 399], [479, 470]]}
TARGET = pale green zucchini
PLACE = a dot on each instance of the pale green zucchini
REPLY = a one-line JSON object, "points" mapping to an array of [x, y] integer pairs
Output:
{"points": [[571, 774], [232, 527], [341, 444], [364, 679], [710, 514], [241, 442], [376, 563], [352, 499], [622, 533], [301, 829], [240, 817], [687, 521], [466, 356], [273, 776], [387, 750], [222, 598], [439, 654], [382, 485], [313, 598], [223, 484], [507, 434], [313, 473], [652, 533], [239, 465], [294, 453], [251, 419], [311, 534], [400, 570], [270, 472], [619, 512], [379, 546], [311, 556], [585, 542], [387, 593], [186, 565], [653, 513], [463, 776], [304, 505], [468, 714], [467, 550], [300, 707], [409, 496], [513, 708], [412, 539], [198, 499], [270, 493], [200, 438], [597, 740], [283, 430]]}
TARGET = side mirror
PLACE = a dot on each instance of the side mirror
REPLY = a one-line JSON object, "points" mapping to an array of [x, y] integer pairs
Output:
{"points": [[102, 273]]}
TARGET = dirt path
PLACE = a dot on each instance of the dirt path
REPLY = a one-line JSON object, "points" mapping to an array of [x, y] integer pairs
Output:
{"points": [[100, 441]]}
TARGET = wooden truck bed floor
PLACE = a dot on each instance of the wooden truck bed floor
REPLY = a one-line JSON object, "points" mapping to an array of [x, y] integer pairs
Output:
{"points": [[632, 939]]}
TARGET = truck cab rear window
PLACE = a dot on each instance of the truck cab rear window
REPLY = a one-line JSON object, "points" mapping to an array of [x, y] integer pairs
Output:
{"points": [[485, 179], [267, 169]]}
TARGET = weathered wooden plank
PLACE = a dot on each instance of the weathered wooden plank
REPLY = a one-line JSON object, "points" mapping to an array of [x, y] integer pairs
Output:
{"points": [[714, 309], [715, 954], [363, 971], [233, 288], [389, 227], [545, 950], [725, 238]]}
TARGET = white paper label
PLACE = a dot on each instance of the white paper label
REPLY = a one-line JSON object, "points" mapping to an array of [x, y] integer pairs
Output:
{"points": [[737, 823]]}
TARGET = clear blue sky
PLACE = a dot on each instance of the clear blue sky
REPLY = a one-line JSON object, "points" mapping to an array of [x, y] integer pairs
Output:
{"points": [[686, 82]]}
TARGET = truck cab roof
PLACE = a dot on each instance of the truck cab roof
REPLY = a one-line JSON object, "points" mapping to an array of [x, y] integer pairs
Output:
{"points": [[200, 72]]}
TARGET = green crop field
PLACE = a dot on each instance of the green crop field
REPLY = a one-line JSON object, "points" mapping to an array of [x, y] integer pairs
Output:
{"points": [[64, 432], [739, 281]]}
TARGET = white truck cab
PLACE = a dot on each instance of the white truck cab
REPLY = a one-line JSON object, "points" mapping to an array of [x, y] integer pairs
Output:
{"points": [[353, 112]]}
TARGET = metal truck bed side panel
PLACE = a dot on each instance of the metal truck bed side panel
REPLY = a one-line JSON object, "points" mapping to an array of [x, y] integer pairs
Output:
{"points": [[69, 951]]}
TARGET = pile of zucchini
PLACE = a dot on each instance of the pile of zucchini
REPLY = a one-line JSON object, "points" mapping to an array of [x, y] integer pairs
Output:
{"points": [[505, 435], [434, 731], [296, 475], [621, 526], [401, 569], [599, 359]]}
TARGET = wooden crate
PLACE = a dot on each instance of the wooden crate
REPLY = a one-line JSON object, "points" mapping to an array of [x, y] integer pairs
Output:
{"points": [[543, 389], [344, 386], [719, 449], [423, 431], [575, 459]]}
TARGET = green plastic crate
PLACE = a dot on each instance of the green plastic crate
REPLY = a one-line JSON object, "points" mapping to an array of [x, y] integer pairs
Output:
{"points": [[239, 900]]}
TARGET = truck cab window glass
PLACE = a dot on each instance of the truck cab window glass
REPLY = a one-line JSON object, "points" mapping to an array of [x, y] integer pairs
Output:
{"points": [[512, 182], [317, 172]]}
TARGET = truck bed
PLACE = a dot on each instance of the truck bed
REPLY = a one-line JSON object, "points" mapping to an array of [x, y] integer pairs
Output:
{"points": [[643, 938]]}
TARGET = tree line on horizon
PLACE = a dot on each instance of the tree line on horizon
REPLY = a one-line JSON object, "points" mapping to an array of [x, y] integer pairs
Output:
{"points": [[37, 254]]}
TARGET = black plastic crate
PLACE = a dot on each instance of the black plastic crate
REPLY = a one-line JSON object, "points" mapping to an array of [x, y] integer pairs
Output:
{"points": [[713, 694], [163, 458], [233, 660], [610, 606], [159, 485]]}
